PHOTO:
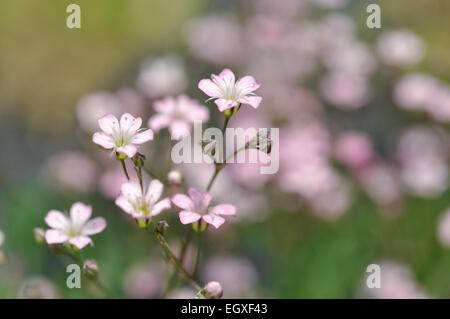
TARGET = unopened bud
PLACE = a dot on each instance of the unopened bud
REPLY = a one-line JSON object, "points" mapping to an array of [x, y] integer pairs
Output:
{"points": [[261, 141], [90, 268], [161, 226], [174, 177], [138, 160], [213, 290], [39, 235], [209, 147]]}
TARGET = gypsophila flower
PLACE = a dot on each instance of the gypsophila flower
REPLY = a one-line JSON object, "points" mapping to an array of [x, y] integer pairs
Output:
{"points": [[122, 137], [177, 114], [228, 93], [74, 230], [196, 207], [213, 290], [140, 204]]}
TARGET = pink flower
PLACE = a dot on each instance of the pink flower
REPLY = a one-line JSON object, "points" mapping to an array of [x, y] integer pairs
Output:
{"points": [[228, 93], [123, 136], [177, 114], [75, 229], [197, 207], [141, 205]]}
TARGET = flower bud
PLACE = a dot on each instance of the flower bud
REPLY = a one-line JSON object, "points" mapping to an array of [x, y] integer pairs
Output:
{"points": [[39, 235], [90, 268], [174, 177], [213, 290], [138, 160], [209, 147], [161, 226], [261, 141]]}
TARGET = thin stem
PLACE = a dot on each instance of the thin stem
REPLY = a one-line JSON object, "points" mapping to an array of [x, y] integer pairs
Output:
{"points": [[197, 259], [124, 168], [213, 178], [176, 262], [153, 175]]}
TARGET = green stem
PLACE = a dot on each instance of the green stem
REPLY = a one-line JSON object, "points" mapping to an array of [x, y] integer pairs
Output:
{"points": [[122, 161], [197, 259], [176, 262], [217, 169]]}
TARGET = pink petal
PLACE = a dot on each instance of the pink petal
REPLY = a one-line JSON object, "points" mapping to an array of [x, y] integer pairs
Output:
{"points": [[209, 88], [80, 242], [187, 217], [143, 137], [165, 106], [224, 209], [214, 220], [109, 124], [198, 113], [94, 226], [131, 191], [183, 201], [160, 206], [251, 100], [123, 203], [246, 85], [154, 191], [127, 121], [56, 219], [223, 104], [158, 121], [179, 130], [228, 76], [103, 140], [53, 236], [80, 213], [128, 150]]}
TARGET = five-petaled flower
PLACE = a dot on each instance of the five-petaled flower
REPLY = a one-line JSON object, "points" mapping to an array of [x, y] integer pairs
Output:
{"points": [[74, 230], [122, 137], [142, 205], [177, 114], [196, 207], [228, 93]]}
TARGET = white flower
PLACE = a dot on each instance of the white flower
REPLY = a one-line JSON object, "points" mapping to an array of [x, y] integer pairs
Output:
{"points": [[141, 205], [75, 229], [124, 136]]}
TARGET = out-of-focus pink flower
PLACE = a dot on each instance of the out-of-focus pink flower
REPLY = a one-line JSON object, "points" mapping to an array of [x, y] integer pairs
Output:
{"points": [[354, 149], [228, 93], [162, 76], [354, 58], [73, 170], [400, 48], [124, 136], [334, 202], [213, 290], [142, 205], [414, 91], [346, 91], [196, 207], [438, 105], [177, 114], [144, 280], [329, 4], [215, 39], [74, 230], [38, 288], [397, 282], [443, 229], [174, 177]]}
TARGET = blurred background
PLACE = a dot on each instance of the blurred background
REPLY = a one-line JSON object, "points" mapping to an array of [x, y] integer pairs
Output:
{"points": [[364, 142]]}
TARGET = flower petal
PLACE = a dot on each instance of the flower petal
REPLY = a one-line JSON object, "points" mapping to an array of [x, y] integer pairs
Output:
{"points": [[103, 140], [94, 226], [143, 137], [209, 88], [158, 121], [54, 236], [183, 201], [80, 213], [251, 100], [224, 209], [123, 203], [109, 124], [228, 76], [80, 242], [246, 85], [187, 217], [214, 220], [223, 104], [131, 191], [160, 206], [154, 192], [56, 220], [128, 150], [127, 121], [179, 130]]}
